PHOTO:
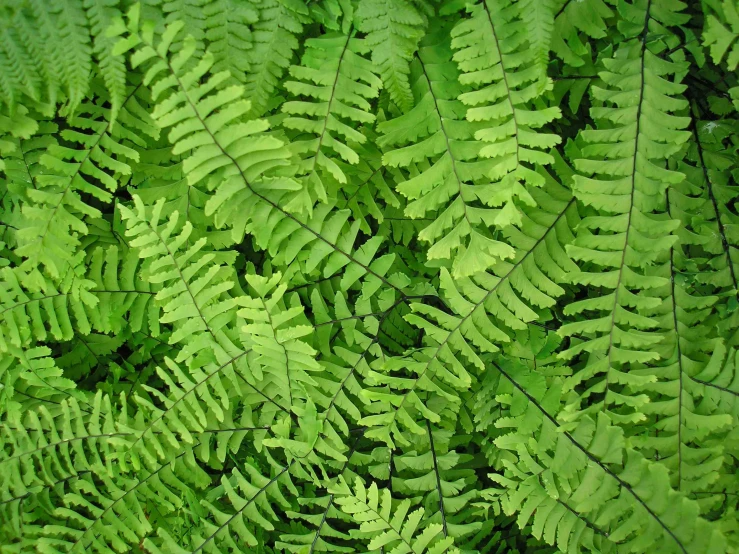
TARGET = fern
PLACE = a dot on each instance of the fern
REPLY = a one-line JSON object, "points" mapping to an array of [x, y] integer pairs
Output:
{"points": [[434, 129], [334, 73], [274, 43], [506, 83], [396, 528], [55, 211], [388, 275], [393, 31], [720, 33], [628, 187], [596, 461]]}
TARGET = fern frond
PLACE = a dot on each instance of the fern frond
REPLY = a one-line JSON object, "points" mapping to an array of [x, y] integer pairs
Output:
{"points": [[393, 29], [46, 46], [280, 21], [710, 167], [171, 421], [239, 159], [434, 140], [188, 13], [321, 532], [337, 82], [434, 469], [393, 529], [283, 363], [19, 76], [509, 81], [684, 436], [192, 284], [539, 20], [237, 277], [369, 190], [574, 24], [123, 301], [484, 308], [115, 516], [637, 131], [101, 14], [239, 509], [98, 153], [28, 316], [33, 309], [42, 448], [32, 374], [71, 22], [721, 31], [229, 36], [583, 475]]}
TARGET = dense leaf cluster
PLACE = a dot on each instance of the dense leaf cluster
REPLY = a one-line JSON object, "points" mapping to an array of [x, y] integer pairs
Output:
{"points": [[399, 276]]}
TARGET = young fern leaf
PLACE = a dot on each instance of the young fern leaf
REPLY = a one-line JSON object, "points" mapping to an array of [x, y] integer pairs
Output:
{"points": [[393, 29], [337, 82], [509, 81], [436, 145], [637, 131]]}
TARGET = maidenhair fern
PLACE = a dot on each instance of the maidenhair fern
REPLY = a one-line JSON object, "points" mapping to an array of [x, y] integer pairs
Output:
{"points": [[396, 276]]}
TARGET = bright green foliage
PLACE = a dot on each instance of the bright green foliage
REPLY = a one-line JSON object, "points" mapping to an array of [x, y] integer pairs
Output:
{"points": [[274, 36], [338, 83], [393, 30], [499, 52], [391, 276], [388, 528], [720, 34], [625, 235]]}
